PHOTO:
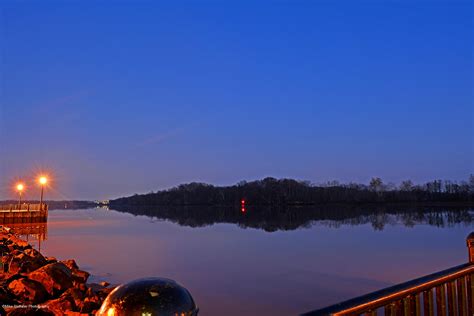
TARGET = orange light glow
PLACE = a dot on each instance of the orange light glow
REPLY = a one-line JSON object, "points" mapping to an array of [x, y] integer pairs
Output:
{"points": [[43, 180], [111, 312], [20, 187]]}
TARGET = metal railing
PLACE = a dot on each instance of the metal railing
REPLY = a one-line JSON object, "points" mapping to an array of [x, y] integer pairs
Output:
{"points": [[448, 292]]}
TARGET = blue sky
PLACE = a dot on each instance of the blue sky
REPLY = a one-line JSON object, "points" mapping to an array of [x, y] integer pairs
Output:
{"points": [[113, 98]]}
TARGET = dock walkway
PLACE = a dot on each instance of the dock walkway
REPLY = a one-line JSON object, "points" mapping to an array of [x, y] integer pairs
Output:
{"points": [[24, 213]]}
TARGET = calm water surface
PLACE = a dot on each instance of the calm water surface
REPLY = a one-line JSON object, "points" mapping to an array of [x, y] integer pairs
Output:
{"points": [[234, 271]]}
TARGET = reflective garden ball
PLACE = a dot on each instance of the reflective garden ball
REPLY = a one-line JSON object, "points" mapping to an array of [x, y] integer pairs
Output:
{"points": [[149, 297]]}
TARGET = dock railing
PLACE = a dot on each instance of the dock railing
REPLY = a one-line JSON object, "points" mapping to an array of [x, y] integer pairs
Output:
{"points": [[448, 292], [24, 207], [24, 213]]}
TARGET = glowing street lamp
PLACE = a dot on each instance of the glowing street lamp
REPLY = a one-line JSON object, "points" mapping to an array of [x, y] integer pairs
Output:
{"points": [[20, 187], [42, 181]]}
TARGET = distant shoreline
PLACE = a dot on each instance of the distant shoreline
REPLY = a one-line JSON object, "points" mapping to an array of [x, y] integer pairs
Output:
{"points": [[331, 204], [290, 192]]}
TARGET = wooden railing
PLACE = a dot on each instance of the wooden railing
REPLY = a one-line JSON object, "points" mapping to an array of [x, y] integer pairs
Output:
{"points": [[24, 207], [448, 292]]}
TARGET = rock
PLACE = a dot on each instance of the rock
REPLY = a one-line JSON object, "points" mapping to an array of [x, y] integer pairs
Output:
{"points": [[24, 263], [51, 260], [92, 301], [104, 292], [6, 297], [60, 305], [80, 286], [94, 288], [15, 252], [19, 242], [36, 255], [7, 260], [55, 277], [4, 265], [77, 295], [3, 249], [89, 307], [90, 292], [71, 264], [29, 312], [27, 290], [100, 289], [33, 253], [29, 266], [80, 276], [9, 279], [36, 262], [41, 285]]}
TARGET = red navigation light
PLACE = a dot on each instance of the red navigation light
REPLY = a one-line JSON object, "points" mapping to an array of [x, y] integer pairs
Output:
{"points": [[242, 205]]}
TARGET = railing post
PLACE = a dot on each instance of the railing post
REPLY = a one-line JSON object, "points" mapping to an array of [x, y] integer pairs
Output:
{"points": [[470, 278], [470, 246]]}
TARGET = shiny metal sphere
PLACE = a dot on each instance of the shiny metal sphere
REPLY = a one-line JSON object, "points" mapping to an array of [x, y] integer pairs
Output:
{"points": [[149, 297]]}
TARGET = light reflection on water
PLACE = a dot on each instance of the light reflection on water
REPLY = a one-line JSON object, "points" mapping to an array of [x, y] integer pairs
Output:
{"points": [[235, 271]]}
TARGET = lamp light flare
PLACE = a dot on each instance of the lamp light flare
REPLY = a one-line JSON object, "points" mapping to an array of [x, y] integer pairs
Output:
{"points": [[43, 180], [20, 187]]}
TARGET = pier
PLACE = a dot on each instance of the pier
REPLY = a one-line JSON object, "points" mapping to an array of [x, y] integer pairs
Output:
{"points": [[23, 213]]}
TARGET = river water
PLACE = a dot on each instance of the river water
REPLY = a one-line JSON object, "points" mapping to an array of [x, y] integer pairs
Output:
{"points": [[231, 270]]}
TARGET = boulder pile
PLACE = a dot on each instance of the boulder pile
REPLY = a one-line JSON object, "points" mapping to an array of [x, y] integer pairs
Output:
{"points": [[31, 284]]}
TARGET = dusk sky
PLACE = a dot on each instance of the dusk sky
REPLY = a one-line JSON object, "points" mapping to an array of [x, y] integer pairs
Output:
{"points": [[115, 98]]}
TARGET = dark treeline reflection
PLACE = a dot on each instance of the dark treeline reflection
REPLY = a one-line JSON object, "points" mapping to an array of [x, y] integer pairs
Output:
{"points": [[290, 218]]}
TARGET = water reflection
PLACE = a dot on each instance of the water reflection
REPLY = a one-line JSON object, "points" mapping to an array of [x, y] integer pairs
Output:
{"points": [[291, 218], [232, 271], [34, 233]]}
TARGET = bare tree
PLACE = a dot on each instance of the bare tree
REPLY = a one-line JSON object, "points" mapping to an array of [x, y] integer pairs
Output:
{"points": [[406, 185], [376, 184]]}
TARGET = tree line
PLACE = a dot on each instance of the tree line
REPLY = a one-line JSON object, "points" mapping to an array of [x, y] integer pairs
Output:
{"points": [[280, 192]]}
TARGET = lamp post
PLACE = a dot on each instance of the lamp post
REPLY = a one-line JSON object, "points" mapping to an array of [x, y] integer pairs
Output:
{"points": [[42, 181], [20, 187]]}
